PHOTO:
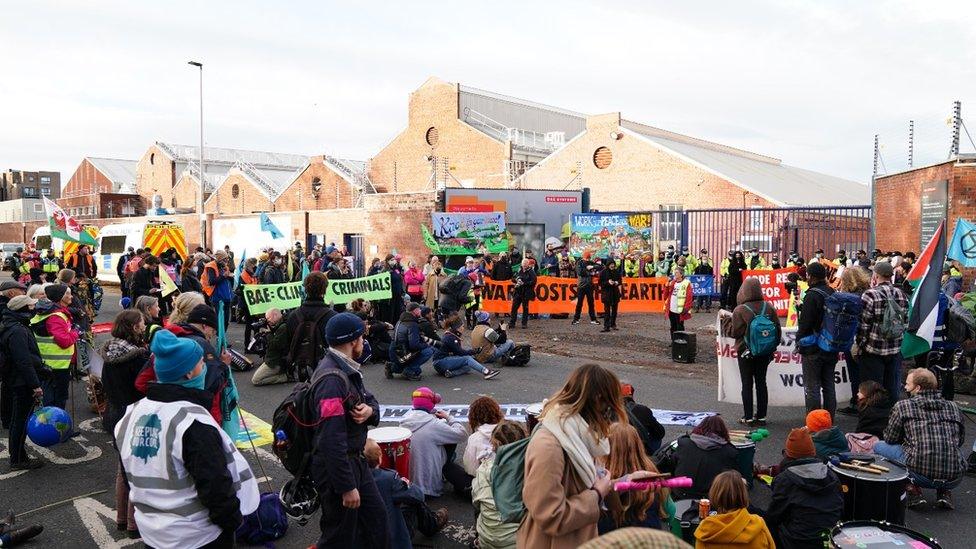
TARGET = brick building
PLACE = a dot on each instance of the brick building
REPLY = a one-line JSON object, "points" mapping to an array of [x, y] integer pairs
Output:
{"points": [[15, 184], [898, 201], [458, 136], [102, 187]]}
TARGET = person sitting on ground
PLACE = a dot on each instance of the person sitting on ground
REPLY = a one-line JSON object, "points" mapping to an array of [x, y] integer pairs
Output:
{"points": [[428, 324], [642, 418], [491, 343], [410, 349], [274, 369], [451, 359], [807, 500], [926, 432], [483, 414], [405, 505], [377, 331], [827, 437], [734, 525], [646, 508], [873, 408], [702, 455], [435, 435], [493, 533]]}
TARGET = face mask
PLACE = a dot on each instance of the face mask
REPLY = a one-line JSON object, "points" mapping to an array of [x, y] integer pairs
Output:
{"points": [[819, 256], [195, 383], [392, 263]]}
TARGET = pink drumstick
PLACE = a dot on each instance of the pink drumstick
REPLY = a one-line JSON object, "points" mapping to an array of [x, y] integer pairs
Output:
{"points": [[676, 482]]}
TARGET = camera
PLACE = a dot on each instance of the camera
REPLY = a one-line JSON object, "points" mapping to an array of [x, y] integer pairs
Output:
{"points": [[259, 337]]}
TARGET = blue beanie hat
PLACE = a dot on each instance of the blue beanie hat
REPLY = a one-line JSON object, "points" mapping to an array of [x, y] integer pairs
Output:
{"points": [[174, 357], [482, 317], [343, 328]]}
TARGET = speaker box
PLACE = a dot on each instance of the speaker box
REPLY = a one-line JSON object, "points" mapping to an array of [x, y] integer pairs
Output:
{"points": [[684, 347]]}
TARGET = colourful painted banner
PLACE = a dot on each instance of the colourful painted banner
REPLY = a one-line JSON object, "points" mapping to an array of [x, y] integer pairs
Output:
{"points": [[605, 234], [253, 428], [773, 284], [466, 233], [558, 295], [370, 288]]}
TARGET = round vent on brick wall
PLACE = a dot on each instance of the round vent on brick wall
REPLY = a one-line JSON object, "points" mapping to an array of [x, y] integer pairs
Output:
{"points": [[235, 191], [432, 136], [602, 157]]}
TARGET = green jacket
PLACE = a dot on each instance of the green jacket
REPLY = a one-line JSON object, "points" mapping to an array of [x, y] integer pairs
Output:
{"points": [[278, 344]]}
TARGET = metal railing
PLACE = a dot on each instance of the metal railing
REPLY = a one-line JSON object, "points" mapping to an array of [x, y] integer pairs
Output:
{"points": [[523, 139]]}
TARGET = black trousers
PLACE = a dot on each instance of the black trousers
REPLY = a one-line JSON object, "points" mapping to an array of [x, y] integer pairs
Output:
{"points": [[677, 325], [363, 527], [455, 474], [585, 293], [22, 402], [56, 388], [520, 301], [610, 313], [6, 404], [752, 370]]}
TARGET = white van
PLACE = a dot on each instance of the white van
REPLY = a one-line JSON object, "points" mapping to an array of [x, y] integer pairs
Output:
{"points": [[42, 240], [245, 237], [115, 238]]}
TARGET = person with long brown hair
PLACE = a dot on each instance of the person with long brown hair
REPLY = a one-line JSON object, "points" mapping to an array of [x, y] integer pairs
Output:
{"points": [[734, 525], [565, 483], [873, 408], [643, 508]]}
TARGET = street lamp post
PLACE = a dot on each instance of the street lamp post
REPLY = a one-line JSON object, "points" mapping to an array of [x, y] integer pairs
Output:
{"points": [[203, 216]]}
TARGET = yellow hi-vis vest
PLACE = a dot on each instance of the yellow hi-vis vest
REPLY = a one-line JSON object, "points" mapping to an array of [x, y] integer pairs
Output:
{"points": [[679, 296], [51, 265], [52, 354]]}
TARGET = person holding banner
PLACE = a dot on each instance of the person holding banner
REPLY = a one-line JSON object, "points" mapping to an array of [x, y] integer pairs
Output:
{"points": [[704, 268], [524, 291], [610, 282], [585, 271], [679, 296]]}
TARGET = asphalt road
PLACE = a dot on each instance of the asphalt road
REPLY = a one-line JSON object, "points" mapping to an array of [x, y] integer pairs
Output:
{"points": [[86, 465]]}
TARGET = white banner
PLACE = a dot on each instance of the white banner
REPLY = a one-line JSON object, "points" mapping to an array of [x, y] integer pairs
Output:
{"points": [[516, 412], [784, 377]]}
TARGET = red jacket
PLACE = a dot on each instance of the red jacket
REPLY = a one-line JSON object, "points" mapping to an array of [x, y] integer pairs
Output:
{"points": [[686, 310], [60, 329]]}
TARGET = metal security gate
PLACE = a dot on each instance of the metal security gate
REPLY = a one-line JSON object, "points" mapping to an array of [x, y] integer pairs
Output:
{"points": [[354, 243]]}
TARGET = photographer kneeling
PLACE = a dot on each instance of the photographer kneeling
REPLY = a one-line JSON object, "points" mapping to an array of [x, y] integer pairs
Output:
{"points": [[274, 369]]}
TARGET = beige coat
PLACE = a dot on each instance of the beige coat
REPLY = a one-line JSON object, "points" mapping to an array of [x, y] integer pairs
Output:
{"points": [[430, 288], [561, 511]]}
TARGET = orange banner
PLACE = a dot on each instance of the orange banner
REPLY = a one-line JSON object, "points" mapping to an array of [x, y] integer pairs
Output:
{"points": [[558, 295]]}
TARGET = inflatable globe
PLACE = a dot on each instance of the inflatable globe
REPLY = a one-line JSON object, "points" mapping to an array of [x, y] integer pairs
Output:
{"points": [[48, 426]]}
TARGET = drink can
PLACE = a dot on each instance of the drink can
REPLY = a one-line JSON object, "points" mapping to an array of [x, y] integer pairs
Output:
{"points": [[704, 506]]}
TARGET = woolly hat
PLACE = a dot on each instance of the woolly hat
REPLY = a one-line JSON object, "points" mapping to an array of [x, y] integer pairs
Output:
{"points": [[818, 420], [55, 292], [482, 317], [816, 270], [204, 315], [174, 356], [343, 328], [17, 303], [799, 444], [425, 399]]}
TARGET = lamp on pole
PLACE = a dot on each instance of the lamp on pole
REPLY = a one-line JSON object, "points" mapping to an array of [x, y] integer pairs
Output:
{"points": [[203, 216]]}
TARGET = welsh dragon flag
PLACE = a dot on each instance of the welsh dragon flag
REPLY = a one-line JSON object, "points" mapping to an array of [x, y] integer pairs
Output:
{"points": [[923, 309], [64, 226]]}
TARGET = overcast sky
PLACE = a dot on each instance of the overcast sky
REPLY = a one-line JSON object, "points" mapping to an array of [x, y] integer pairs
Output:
{"points": [[807, 82]]}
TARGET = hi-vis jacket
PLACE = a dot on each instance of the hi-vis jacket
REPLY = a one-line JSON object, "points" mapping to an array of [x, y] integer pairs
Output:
{"points": [[168, 508]]}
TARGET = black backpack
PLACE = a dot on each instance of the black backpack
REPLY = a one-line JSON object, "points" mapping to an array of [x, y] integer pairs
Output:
{"points": [[455, 288], [307, 347], [295, 418], [518, 356]]}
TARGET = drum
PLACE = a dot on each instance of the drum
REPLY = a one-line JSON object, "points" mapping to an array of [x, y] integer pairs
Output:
{"points": [[869, 496], [878, 535], [745, 455], [532, 412], [395, 445]]}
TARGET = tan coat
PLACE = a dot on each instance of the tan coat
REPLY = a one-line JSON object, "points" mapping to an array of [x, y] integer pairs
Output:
{"points": [[430, 288], [561, 511]]}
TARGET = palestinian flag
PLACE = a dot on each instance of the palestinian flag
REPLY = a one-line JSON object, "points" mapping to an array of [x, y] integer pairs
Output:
{"points": [[923, 309], [64, 226]]}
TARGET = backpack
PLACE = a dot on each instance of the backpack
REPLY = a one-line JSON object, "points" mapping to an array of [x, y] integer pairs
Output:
{"points": [[518, 356], [454, 287], [959, 323], [267, 523], [306, 346], [291, 417], [842, 312], [893, 319], [507, 480], [642, 431], [761, 337], [861, 443]]}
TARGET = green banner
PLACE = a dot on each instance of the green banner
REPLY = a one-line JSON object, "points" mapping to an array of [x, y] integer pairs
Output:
{"points": [[261, 297], [371, 288]]}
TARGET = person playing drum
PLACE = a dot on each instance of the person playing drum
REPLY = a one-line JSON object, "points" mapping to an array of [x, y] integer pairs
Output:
{"points": [[435, 437]]}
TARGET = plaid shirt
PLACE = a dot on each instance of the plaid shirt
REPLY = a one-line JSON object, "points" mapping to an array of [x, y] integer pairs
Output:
{"points": [[930, 430], [869, 337]]}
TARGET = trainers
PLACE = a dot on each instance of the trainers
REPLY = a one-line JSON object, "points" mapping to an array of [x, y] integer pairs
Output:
{"points": [[446, 373], [943, 499], [746, 421], [441, 516], [412, 377], [614, 328], [491, 374], [759, 422], [575, 322], [594, 322], [27, 465], [388, 370], [915, 496]]}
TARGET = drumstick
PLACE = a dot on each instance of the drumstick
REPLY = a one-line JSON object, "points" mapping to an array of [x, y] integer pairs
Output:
{"points": [[857, 468], [873, 466]]}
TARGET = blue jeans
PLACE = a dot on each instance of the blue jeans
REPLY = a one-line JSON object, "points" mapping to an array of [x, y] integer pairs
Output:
{"points": [[412, 367], [458, 365], [501, 350], [895, 452]]}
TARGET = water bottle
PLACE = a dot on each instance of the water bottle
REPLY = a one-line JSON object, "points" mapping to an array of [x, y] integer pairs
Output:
{"points": [[281, 443]]}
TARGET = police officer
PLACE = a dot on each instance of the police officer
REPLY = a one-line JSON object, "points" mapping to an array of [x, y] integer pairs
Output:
{"points": [[353, 513], [51, 265]]}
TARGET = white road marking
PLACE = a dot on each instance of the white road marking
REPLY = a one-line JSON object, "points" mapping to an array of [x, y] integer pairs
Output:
{"points": [[5, 456], [91, 452], [91, 512]]}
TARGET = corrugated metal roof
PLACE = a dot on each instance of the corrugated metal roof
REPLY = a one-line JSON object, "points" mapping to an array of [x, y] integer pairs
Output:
{"points": [[220, 155], [512, 112], [122, 173], [763, 175]]}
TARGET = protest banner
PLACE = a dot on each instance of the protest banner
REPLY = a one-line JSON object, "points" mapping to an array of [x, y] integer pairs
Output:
{"points": [[464, 233], [773, 284], [261, 297], [370, 288], [793, 316], [702, 284], [558, 295], [605, 234], [784, 377], [516, 412]]}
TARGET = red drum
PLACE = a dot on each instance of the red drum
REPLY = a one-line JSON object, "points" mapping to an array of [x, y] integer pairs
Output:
{"points": [[395, 445], [532, 412]]}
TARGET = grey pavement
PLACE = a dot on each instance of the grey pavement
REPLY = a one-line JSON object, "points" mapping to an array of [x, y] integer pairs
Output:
{"points": [[88, 463]]}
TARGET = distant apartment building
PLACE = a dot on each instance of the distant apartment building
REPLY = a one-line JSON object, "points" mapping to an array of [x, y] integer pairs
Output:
{"points": [[22, 209], [15, 184]]}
